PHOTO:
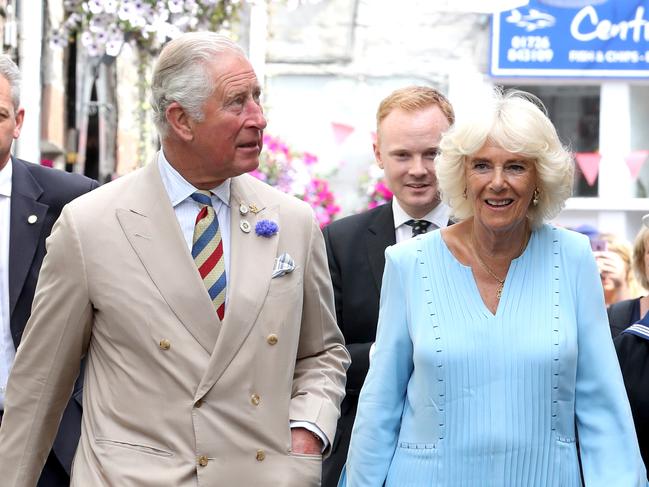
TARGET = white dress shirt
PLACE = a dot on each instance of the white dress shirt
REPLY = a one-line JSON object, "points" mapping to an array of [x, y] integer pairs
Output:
{"points": [[186, 209], [7, 349], [438, 217]]}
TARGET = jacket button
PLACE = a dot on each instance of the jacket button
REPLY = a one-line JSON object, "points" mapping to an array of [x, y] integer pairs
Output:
{"points": [[272, 339], [255, 399], [165, 344], [261, 455], [202, 461], [198, 403]]}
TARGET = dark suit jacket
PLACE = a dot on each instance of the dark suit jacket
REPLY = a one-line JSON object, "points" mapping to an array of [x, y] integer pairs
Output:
{"points": [[633, 354], [622, 315], [356, 253], [41, 192]]}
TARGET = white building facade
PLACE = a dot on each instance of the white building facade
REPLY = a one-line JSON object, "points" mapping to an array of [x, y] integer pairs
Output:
{"points": [[329, 64]]}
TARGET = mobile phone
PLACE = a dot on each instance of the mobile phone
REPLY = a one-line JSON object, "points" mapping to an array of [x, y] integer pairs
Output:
{"points": [[598, 245]]}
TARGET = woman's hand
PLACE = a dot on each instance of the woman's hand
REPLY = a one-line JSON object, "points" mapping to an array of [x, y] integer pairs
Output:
{"points": [[612, 270]]}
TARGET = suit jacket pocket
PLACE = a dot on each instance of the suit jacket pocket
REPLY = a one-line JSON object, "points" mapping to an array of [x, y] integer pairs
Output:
{"points": [[312, 456], [414, 464], [417, 446], [150, 450], [305, 470], [280, 286], [567, 462]]}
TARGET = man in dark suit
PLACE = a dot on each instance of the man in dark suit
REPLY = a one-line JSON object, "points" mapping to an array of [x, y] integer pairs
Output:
{"points": [[410, 122], [31, 198]]}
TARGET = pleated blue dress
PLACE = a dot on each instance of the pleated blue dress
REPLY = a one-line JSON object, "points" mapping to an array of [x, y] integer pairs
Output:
{"points": [[459, 396]]}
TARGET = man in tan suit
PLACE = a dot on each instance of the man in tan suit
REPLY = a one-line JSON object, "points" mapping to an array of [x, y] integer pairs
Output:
{"points": [[174, 394]]}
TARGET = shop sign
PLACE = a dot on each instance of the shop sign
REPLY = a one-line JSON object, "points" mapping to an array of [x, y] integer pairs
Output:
{"points": [[572, 38]]}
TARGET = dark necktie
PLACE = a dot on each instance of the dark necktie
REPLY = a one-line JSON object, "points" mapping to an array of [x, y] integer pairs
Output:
{"points": [[418, 226]]}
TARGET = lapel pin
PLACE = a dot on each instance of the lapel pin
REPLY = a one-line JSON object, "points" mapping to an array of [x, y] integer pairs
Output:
{"points": [[31, 219], [245, 226], [254, 209], [243, 209]]}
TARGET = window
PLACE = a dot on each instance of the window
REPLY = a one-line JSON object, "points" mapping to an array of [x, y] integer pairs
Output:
{"points": [[639, 138], [574, 111]]}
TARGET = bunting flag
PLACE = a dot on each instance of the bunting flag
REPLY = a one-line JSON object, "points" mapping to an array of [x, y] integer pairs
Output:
{"points": [[588, 162], [635, 161], [341, 131]]}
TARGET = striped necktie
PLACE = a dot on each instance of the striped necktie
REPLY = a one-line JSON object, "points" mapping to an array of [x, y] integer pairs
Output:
{"points": [[207, 251], [418, 226]]}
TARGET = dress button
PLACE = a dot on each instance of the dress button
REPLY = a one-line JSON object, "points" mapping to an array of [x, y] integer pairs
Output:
{"points": [[202, 461], [261, 455], [272, 339], [255, 399], [165, 344]]}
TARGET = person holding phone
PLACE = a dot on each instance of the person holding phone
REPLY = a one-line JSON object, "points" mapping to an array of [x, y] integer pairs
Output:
{"points": [[613, 257]]}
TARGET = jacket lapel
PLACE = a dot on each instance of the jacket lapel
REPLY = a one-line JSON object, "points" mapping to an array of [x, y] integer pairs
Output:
{"points": [[24, 236], [150, 224], [380, 235], [251, 264]]}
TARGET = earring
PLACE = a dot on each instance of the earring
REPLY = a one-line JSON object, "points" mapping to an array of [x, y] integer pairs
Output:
{"points": [[535, 197]]}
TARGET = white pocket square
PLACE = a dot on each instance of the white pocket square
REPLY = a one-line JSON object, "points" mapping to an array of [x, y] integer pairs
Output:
{"points": [[283, 265]]}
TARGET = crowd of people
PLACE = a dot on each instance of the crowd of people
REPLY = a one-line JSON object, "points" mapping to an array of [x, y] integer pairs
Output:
{"points": [[189, 325]]}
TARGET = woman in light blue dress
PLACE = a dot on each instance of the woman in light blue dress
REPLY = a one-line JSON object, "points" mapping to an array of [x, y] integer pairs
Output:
{"points": [[494, 364]]}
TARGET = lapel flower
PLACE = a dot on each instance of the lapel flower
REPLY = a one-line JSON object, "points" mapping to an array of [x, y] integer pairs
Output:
{"points": [[266, 228]]}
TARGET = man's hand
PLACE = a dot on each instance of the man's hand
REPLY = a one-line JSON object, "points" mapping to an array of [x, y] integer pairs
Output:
{"points": [[303, 441]]}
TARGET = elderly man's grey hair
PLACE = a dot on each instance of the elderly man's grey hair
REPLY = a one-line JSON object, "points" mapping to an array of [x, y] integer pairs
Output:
{"points": [[10, 72], [182, 75]]}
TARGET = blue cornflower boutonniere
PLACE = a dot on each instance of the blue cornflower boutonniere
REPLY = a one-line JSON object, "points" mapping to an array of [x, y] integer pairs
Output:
{"points": [[266, 228]]}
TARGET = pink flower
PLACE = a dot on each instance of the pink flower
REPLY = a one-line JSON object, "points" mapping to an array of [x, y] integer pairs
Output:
{"points": [[310, 159], [333, 209], [258, 174], [295, 173], [378, 193], [382, 189]]}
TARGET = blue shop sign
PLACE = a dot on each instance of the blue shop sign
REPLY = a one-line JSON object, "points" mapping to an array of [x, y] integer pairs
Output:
{"points": [[572, 38]]}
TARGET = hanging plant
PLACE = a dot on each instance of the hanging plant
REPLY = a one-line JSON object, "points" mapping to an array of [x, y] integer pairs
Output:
{"points": [[105, 25]]}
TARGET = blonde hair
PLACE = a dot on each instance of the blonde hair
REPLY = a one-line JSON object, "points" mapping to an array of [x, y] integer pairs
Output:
{"points": [[637, 260], [413, 98], [623, 248], [518, 122]]}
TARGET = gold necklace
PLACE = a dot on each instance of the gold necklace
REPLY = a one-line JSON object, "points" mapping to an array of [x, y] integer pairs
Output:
{"points": [[501, 282]]}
